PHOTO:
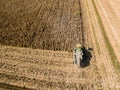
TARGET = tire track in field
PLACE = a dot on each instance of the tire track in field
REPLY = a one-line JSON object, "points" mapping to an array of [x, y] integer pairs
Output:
{"points": [[96, 49], [105, 57], [112, 24]]}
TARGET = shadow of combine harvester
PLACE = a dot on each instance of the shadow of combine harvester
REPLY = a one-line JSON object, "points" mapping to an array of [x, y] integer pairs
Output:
{"points": [[86, 57]]}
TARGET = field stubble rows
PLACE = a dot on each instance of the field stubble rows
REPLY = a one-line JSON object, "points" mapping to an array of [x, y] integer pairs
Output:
{"points": [[23, 73]]}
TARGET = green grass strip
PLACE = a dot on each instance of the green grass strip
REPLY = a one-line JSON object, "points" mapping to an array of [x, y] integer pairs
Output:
{"points": [[96, 41], [107, 42]]}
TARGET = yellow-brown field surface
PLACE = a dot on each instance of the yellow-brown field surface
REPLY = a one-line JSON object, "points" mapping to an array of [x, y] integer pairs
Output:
{"points": [[37, 38]]}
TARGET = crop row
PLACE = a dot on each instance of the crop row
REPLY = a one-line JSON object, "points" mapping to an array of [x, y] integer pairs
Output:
{"points": [[53, 24]]}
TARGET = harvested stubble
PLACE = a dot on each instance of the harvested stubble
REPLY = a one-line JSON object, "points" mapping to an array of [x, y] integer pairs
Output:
{"points": [[19, 68]]}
